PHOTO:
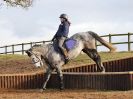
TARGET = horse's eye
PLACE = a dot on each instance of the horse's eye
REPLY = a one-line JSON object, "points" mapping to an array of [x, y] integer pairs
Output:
{"points": [[33, 58]]}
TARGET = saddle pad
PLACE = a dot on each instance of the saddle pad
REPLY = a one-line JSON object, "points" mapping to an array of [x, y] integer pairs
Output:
{"points": [[70, 43]]}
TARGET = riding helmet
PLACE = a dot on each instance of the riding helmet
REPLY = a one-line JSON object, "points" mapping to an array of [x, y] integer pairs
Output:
{"points": [[65, 16]]}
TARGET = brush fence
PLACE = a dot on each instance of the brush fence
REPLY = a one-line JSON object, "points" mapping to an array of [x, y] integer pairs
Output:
{"points": [[118, 76]]}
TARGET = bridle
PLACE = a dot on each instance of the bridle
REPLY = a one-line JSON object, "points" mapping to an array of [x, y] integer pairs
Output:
{"points": [[38, 59]]}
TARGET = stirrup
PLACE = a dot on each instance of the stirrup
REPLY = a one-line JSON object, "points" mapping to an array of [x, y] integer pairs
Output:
{"points": [[66, 60]]}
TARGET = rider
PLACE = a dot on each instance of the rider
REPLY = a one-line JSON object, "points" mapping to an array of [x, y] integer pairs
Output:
{"points": [[62, 34]]}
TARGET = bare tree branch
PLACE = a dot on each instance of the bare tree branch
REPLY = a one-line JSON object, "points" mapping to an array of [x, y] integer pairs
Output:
{"points": [[21, 3]]}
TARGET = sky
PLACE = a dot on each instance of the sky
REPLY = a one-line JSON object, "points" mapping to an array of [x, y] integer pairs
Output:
{"points": [[41, 21]]}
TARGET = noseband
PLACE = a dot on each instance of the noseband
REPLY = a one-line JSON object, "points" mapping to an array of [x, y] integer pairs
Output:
{"points": [[36, 57]]}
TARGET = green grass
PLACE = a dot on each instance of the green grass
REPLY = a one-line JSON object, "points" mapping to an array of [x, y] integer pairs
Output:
{"points": [[105, 56], [81, 59], [13, 57], [22, 63]]}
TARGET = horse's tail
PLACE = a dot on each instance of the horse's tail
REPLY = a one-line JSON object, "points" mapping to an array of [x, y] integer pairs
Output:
{"points": [[102, 41]]}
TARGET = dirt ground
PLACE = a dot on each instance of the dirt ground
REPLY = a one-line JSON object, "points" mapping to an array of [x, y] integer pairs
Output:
{"points": [[11, 65], [66, 94]]}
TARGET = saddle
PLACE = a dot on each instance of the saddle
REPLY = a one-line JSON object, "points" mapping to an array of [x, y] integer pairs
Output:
{"points": [[68, 44]]}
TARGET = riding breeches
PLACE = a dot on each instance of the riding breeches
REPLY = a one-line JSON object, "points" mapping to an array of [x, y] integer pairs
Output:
{"points": [[61, 42]]}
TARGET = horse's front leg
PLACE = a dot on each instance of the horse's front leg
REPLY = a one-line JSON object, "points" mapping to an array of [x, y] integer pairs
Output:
{"points": [[60, 75], [47, 76]]}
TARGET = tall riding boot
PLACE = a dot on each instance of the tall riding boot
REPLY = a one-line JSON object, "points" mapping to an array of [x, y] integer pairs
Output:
{"points": [[66, 56]]}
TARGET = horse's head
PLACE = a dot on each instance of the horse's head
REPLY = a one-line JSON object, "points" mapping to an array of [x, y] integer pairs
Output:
{"points": [[35, 56]]}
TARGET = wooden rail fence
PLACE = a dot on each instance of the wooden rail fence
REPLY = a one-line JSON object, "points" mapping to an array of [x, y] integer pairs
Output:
{"points": [[121, 65], [12, 49], [84, 77], [128, 42]]}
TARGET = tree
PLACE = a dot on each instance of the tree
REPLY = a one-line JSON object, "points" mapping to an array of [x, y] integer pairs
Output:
{"points": [[21, 3]]}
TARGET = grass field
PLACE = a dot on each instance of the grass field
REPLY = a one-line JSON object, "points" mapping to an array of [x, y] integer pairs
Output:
{"points": [[22, 63]]}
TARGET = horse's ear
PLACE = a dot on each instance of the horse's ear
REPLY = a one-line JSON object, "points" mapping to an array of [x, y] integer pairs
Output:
{"points": [[28, 53]]}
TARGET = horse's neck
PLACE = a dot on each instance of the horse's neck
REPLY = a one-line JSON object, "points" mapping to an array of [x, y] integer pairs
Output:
{"points": [[41, 49], [46, 49]]}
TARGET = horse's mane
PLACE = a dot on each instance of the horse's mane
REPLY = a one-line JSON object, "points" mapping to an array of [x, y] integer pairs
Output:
{"points": [[37, 45], [40, 46]]}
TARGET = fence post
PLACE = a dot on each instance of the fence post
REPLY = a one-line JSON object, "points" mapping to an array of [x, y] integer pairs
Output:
{"points": [[129, 46], [110, 38], [12, 49], [22, 49], [30, 44], [5, 49], [43, 42]]}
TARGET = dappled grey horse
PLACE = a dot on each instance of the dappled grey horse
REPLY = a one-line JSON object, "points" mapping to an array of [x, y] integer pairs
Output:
{"points": [[83, 41]]}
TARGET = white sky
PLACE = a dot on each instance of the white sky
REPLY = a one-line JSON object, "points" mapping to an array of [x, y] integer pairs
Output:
{"points": [[41, 21]]}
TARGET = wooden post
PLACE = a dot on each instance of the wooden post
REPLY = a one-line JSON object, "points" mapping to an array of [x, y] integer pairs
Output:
{"points": [[5, 49], [22, 49], [31, 44], [43, 42], [129, 46], [12, 49], [110, 38]]}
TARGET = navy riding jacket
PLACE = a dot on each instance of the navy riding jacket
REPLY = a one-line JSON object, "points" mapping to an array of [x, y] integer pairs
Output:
{"points": [[63, 30]]}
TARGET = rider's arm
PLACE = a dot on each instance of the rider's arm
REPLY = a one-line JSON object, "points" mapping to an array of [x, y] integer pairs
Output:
{"points": [[54, 37]]}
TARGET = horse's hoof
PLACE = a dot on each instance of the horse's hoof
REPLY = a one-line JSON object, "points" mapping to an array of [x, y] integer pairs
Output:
{"points": [[61, 88], [103, 71], [42, 90]]}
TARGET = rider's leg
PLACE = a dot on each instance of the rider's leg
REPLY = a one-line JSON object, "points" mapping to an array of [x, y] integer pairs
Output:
{"points": [[63, 50]]}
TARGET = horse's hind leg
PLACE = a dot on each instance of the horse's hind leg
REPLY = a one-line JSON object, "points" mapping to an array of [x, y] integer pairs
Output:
{"points": [[93, 54]]}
